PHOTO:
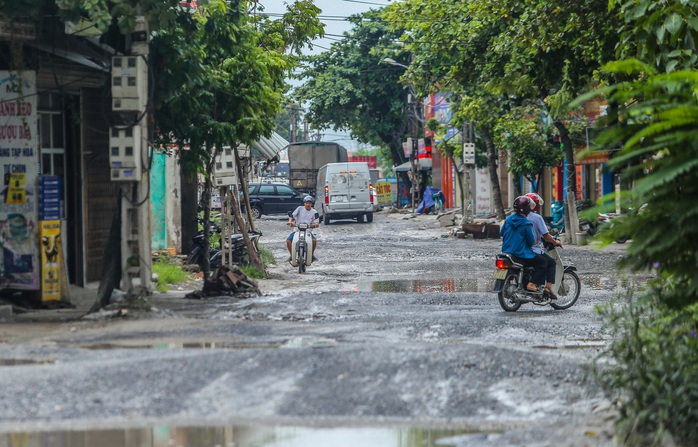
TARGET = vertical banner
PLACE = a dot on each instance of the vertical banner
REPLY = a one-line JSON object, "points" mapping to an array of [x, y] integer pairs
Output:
{"points": [[19, 160], [51, 260], [483, 192]]}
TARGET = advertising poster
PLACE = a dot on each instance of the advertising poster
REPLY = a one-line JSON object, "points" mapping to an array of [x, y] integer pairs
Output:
{"points": [[51, 260], [384, 193], [19, 161]]}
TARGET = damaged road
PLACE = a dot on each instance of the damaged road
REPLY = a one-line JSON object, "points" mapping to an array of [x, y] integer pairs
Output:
{"points": [[394, 328]]}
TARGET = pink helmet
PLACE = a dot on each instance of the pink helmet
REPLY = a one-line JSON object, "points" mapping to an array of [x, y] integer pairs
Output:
{"points": [[537, 200]]}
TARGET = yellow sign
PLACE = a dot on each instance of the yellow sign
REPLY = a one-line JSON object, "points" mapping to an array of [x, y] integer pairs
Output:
{"points": [[299, 183], [51, 260], [16, 189], [384, 193]]}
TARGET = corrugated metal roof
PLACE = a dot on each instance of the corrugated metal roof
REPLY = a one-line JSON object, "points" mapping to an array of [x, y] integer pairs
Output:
{"points": [[270, 147]]}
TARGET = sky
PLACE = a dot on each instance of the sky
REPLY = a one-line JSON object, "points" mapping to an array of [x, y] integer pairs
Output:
{"points": [[333, 15]]}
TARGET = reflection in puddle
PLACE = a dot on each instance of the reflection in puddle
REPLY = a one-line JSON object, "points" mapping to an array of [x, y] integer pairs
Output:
{"points": [[428, 285], [166, 436], [187, 345], [19, 362]]}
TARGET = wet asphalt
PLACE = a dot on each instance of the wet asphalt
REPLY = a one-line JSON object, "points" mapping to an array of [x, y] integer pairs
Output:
{"points": [[395, 326]]}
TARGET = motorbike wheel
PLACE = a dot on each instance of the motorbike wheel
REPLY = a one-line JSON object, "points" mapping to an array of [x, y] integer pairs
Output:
{"points": [[568, 293], [622, 240], [506, 296], [301, 261], [194, 255]]}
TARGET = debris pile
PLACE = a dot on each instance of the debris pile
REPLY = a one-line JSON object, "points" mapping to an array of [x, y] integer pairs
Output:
{"points": [[226, 281]]}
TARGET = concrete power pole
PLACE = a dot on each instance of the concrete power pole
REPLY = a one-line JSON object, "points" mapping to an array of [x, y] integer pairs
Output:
{"points": [[468, 172], [141, 46], [129, 158]]}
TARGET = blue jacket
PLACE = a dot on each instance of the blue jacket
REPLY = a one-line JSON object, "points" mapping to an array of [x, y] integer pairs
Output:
{"points": [[517, 236]]}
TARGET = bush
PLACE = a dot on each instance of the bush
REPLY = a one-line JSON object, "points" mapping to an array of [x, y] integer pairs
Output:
{"points": [[267, 258], [650, 370], [168, 273]]}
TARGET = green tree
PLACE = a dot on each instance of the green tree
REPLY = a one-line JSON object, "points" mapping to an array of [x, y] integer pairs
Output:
{"points": [[508, 52], [349, 88], [222, 84], [523, 133]]}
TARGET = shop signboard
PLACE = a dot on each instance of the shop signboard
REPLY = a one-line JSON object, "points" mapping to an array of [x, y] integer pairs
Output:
{"points": [[19, 160]]}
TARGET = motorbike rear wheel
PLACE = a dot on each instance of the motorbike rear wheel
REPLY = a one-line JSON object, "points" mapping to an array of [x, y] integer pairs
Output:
{"points": [[569, 290], [506, 296]]}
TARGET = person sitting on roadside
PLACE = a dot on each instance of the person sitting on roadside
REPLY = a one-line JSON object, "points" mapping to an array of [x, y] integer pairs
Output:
{"points": [[540, 232], [303, 214], [517, 239]]}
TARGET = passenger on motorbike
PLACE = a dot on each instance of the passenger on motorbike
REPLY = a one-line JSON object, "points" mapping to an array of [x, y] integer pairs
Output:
{"points": [[517, 239], [303, 214], [540, 232]]}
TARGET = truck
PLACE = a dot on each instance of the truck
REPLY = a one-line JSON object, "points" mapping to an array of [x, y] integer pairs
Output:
{"points": [[305, 160]]}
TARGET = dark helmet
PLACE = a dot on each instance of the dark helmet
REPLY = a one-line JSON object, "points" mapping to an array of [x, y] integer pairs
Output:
{"points": [[523, 205], [309, 199]]}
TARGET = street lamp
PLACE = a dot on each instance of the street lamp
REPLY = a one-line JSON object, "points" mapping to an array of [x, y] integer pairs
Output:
{"points": [[390, 61], [414, 124]]}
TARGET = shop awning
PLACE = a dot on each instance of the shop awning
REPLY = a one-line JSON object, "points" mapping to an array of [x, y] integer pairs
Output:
{"points": [[270, 147], [424, 165]]}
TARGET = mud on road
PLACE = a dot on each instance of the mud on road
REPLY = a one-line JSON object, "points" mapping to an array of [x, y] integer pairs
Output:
{"points": [[395, 326]]}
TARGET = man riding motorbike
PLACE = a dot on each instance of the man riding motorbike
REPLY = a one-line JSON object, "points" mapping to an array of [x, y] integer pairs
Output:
{"points": [[517, 239], [303, 214], [540, 232]]}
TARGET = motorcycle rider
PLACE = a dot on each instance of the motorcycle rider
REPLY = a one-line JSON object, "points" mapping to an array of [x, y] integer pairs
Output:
{"points": [[540, 232], [517, 239], [303, 214]]}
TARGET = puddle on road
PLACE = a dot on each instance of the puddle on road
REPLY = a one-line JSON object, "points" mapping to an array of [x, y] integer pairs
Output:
{"points": [[247, 436], [294, 342], [19, 362], [427, 285], [188, 345]]}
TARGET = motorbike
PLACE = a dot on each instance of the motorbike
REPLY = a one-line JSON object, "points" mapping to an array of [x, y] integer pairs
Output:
{"points": [[235, 242], [605, 219], [511, 279], [302, 246], [556, 223]]}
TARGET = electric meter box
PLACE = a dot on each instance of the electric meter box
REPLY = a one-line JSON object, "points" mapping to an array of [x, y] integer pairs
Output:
{"points": [[125, 154], [129, 83], [469, 153], [225, 172]]}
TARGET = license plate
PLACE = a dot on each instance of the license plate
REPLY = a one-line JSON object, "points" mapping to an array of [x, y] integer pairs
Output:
{"points": [[339, 198], [500, 274]]}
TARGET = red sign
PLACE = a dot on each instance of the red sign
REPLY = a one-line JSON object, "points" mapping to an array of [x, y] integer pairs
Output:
{"points": [[370, 159]]}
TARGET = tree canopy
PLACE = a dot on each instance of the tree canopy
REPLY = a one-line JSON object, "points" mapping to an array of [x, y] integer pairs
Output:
{"points": [[349, 87]]}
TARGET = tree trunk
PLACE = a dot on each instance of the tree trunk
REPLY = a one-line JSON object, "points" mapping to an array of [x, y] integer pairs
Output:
{"points": [[243, 186], [570, 170], [206, 205], [571, 219], [111, 265], [251, 250], [494, 177]]}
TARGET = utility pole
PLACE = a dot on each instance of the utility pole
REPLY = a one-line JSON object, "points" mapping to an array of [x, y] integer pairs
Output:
{"points": [[468, 171], [294, 118], [414, 132], [129, 158]]}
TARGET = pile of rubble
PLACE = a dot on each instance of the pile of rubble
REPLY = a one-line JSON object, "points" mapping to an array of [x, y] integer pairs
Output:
{"points": [[227, 281]]}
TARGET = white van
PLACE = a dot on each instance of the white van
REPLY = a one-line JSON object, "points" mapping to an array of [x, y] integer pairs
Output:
{"points": [[344, 191]]}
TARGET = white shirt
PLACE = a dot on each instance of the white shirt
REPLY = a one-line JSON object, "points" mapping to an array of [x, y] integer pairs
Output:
{"points": [[301, 215]]}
